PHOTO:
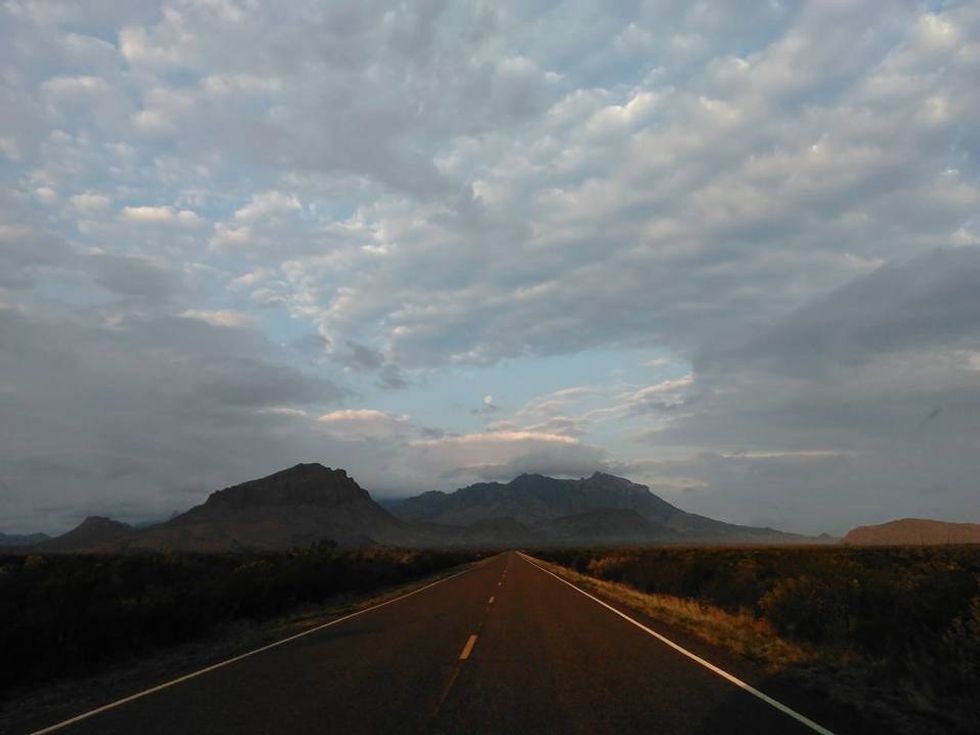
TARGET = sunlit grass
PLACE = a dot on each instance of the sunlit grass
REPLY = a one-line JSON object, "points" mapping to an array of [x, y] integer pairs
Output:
{"points": [[892, 631], [740, 632]]}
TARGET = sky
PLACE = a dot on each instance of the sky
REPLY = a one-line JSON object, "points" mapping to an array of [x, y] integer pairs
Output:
{"points": [[727, 250]]}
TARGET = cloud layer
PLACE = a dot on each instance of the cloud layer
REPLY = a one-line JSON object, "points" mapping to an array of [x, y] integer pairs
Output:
{"points": [[729, 251]]}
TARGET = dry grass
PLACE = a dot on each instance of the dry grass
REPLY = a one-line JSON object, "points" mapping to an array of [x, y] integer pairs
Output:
{"points": [[864, 684], [741, 633]]}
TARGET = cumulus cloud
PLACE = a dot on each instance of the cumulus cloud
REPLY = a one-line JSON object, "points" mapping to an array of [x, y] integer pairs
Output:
{"points": [[46, 194], [757, 194], [221, 317], [436, 192], [364, 423], [268, 204], [501, 455], [161, 215], [91, 202]]}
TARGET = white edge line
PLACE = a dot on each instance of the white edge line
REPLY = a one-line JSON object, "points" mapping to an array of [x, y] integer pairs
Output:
{"points": [[693, 656], [226, 662]]}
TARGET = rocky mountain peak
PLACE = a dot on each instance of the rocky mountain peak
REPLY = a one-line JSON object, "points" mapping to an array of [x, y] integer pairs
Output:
{"points": [[302, 484], [101, 524], [90, 533]]}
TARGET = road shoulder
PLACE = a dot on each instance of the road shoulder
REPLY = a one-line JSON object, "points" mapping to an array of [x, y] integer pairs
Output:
{"points": [[27, 709], [790, 682]]}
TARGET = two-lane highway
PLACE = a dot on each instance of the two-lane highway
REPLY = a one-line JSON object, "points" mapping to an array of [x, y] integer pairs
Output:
{"points": [[505, 647]]}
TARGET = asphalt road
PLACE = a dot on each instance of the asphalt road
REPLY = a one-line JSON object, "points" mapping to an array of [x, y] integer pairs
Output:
{"points": [[502, 648]]}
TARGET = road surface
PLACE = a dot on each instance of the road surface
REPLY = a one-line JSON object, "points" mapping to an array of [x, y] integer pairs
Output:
{"points": [[504, 647]]}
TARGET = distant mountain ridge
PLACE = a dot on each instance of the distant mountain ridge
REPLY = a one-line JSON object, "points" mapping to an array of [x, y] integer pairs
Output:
{"points": [[598, 508], [914, 532], [308, 503], [532, 498], [95, 533], [22, 539]]}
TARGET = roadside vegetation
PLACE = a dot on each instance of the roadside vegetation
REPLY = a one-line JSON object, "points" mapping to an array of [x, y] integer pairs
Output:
{"points": [[896, 627], [65, 615]]}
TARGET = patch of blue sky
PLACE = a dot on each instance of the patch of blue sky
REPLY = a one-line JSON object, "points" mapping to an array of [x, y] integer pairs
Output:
{"points": [[453, 398], [332, 210]]}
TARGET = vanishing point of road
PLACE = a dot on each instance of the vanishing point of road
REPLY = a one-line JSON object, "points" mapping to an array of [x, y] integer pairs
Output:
{"points": [[503, 647]]}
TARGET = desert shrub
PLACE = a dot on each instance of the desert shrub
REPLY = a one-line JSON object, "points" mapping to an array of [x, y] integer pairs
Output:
{"points": [[913, 611], [959, 654], [814, 609], [63, 614]]}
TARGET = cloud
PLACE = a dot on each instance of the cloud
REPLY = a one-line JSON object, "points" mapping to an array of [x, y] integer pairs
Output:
{"points": [[364, 424], [46, 194], [268, 204], [442, 193], [495, 437], [876, 383], [664, 396], [153, 393], [501, 455], [135, 277], [91, 202], [221, 317], [763, 209], [161, 215], [487, 407]]}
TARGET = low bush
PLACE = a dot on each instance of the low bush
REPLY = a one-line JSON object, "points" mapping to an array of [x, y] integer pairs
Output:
{"points": [[64, 614], [912, 612]]}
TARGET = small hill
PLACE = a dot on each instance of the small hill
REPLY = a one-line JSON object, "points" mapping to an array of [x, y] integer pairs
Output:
{"points": [[291, 508], [95, 533], [22, 539], [914, 532]]}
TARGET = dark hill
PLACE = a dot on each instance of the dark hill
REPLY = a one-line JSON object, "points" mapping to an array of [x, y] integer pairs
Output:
{"points": [[95, 533], [596, 509], [914, 531], [22, 539], [294, 507], [310, 503]]}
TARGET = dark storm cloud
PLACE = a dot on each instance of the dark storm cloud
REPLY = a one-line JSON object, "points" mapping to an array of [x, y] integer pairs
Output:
{"points": [[136, 409], [870, 393]]}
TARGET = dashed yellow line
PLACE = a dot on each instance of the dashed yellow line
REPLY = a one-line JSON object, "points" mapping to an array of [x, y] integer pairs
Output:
{"points": [[235, 659], [468, 648]]}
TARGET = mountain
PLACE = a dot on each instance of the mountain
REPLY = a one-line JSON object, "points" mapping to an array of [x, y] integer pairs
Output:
{"points": [[532, 499], [294, 507], [914, 531], [95, 533], [302, 505], [22, 539], [602, 508]]}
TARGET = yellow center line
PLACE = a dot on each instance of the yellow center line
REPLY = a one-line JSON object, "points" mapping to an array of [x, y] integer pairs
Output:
{"points": [[235, 659], [468, 648]]}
